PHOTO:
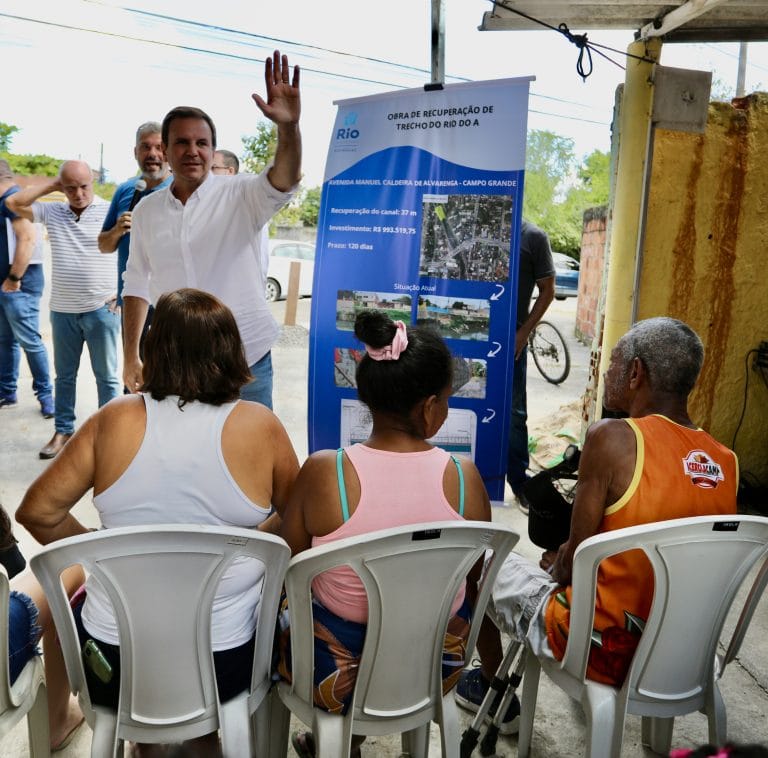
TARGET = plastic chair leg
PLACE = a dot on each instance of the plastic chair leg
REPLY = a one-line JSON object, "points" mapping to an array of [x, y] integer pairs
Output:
{"points": [[333, 737], [604, 733], [657, 733], [261, 727], [105, 743], [449, 728], [235, 727], [279, 723], [528, 704], [37, 725], [416, 742], [716, 717]]}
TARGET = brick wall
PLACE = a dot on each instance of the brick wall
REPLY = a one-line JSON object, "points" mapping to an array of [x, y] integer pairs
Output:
{"points": [[590, 272]]}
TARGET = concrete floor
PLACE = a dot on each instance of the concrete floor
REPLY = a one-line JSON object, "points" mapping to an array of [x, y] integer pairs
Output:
{"points": [[559, 722]]}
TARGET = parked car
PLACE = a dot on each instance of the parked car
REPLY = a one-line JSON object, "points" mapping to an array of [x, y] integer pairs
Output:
{"points": [[281, 254], [566, 276]]}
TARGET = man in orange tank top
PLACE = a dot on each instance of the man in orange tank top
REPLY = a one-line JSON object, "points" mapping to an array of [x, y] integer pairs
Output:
{"points": [[652, 466]]}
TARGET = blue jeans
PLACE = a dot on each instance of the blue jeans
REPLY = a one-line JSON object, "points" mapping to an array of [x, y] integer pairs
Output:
{"points": [[99, 330], [20, 328], [23, 633], [260, 389], [517, 457]]}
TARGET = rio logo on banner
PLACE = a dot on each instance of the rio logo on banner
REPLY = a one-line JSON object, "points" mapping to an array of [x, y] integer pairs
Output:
{"points": [[420, 217]]}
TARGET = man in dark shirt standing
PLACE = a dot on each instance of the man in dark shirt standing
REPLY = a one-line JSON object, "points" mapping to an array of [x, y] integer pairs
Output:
{"points": [[535, 268]]}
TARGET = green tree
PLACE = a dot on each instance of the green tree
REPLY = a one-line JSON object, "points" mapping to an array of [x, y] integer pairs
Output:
{"points": [[550, 163], [310, 206], [32, 165], [558, 189], [40, 165], [6, 135], [258, 150], [590, 190]]}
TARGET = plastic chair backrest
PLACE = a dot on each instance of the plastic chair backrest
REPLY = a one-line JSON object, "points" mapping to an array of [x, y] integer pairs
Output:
{"points": [[699, 564], [411, 575], [161, 581]]}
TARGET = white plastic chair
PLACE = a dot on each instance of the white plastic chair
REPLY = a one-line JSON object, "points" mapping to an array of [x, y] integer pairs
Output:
{"points": [[161, 581], [28, 696], [411, 575], [699, 564]]}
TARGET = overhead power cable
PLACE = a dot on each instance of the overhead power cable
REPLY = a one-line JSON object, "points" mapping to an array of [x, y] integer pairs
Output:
{"points": [[729, 54], [253, 35], [187, 48], [304, 45], [234, 56]]}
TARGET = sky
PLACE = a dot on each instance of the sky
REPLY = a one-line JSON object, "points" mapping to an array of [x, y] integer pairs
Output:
{"points": [[86, 73]]}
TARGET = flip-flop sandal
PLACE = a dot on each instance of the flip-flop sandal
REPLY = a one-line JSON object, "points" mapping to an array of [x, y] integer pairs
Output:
{"points": [[69, 737], [304, 744]]}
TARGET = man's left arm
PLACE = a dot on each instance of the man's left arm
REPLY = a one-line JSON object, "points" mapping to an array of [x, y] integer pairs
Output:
{"points": [[20, 203], [24, 231], [604, 460], [115, 226], [546, 287], [283, 108]]}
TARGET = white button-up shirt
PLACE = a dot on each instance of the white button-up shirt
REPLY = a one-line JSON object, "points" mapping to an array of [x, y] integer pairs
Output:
{"points": [[213, 243]]}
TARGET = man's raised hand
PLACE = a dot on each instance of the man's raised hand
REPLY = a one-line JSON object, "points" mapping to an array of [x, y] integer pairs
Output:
{"points": [[283, 103]]}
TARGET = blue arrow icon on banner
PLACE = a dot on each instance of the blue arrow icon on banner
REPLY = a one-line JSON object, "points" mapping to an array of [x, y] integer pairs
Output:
{"points": [[498, 294], [486, 419], [493, 352]]}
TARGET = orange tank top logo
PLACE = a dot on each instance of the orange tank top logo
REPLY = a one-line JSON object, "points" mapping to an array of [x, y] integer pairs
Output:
{"points": [[704, 472]]}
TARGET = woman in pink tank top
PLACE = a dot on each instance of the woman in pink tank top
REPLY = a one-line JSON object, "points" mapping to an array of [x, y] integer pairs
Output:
{"points": [[396, 477]]}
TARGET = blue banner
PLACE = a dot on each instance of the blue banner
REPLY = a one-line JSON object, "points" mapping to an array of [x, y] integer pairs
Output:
{"points": [[420, 217]]}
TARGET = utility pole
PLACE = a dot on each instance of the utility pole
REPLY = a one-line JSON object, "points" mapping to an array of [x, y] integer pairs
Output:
{"points": [[742, 75]]}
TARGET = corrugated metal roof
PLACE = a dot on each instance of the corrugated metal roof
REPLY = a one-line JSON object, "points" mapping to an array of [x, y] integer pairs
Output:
{"points": [[684, 21]]}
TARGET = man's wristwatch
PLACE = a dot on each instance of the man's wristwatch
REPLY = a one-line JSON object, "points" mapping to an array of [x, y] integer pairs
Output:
{"points": [[14, 278]]}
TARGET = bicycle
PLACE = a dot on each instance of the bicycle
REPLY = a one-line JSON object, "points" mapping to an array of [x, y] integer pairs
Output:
{"points": [[550, 353]]}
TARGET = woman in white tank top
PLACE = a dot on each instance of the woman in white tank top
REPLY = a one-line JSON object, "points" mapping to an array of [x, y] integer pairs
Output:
{"points": [[185, 450]]}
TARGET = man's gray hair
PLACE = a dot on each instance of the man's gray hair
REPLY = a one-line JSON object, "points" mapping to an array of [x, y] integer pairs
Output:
{"points": [[670, 350], [148, 127], [5, 170]]}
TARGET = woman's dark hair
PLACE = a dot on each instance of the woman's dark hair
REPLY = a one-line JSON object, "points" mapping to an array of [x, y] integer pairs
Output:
{"points": [[194, 350], [7, 540], [424, 368]]}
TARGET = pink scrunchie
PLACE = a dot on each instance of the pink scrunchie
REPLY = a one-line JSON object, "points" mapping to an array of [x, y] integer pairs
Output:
{"points": [[684, 752], [392, 351]]}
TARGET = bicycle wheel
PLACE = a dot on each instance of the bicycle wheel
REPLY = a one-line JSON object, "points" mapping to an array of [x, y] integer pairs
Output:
{"points": [[550, 353]]}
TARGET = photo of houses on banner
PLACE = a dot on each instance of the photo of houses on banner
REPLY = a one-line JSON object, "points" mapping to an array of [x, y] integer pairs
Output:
{"points": [[454, 318], [465, 319]]}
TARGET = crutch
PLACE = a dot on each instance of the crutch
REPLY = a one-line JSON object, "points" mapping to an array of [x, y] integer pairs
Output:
{"points": [[503, 685], [488, 744]]}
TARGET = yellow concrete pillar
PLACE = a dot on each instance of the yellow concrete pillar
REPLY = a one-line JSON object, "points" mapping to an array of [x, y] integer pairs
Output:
{"points": [[634, 141]]}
